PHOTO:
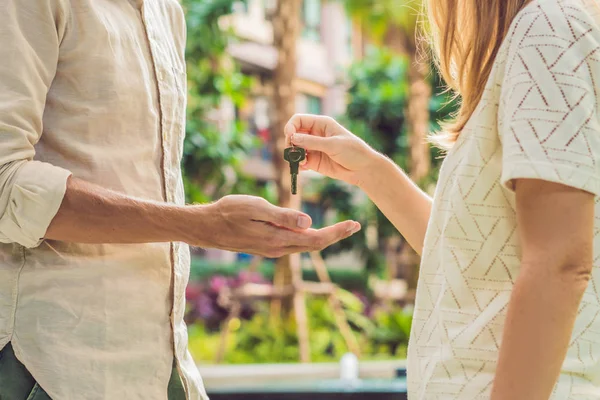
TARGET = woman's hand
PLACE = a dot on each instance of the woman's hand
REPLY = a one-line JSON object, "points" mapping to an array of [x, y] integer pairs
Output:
{"points": [[331, 149]]}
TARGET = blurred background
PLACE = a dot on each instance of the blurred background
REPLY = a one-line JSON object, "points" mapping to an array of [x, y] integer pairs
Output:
{"points": [[303, 321]]}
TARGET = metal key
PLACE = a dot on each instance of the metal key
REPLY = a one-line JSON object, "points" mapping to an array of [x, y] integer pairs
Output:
{"points": [[294, 155]]}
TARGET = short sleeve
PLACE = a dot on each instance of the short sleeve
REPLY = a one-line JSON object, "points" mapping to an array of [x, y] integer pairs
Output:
{"points": [[548, 112]]}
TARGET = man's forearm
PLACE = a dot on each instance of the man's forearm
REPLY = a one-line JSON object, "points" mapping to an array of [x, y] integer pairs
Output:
{"points": [[248, 224], [402, 202], [91, 214]]}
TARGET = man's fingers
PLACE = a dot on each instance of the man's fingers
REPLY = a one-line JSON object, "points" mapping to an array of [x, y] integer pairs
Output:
{"points": [[288, 242], [317, 239], [285, 217], [333, 234]]}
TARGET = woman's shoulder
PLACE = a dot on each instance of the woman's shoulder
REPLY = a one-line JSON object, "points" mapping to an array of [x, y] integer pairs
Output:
{"points": [[551, 28], [557, 19]]}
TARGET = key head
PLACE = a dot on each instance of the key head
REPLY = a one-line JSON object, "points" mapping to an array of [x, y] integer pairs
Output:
{"points": [[294, 154]]}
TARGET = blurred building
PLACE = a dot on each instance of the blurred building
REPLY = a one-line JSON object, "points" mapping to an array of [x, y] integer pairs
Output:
{"points": [[328, 44]]}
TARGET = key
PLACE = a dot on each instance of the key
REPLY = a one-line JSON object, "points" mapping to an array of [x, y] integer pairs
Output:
{"points": [[294, 155]]}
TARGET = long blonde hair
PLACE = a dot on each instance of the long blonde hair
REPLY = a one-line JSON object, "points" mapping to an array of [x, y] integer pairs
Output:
{"points": [[466, 37]]}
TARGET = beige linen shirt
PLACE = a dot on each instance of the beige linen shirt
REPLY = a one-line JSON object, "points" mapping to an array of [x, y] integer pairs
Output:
{"points": [[539, 118], [96, 89]]}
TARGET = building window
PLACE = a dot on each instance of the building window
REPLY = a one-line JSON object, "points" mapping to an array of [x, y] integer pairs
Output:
{"points": [[240, 7], [259, 125], [311, 18], [316, 212], [314, 105], [269, 7], [350, 38]]}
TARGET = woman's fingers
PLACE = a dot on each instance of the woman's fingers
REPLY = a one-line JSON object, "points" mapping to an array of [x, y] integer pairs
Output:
{"points": [[314, 143], [319, 125], [313, 161], [318, 135]]}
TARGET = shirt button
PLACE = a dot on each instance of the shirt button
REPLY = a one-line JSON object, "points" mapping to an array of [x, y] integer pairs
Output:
{"points": [[160, 75]]}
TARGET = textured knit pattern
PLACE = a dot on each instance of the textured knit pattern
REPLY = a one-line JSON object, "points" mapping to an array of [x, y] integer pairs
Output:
{"points": [[538, 119]]}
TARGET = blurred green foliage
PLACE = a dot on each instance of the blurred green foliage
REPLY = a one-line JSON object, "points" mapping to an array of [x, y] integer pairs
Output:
{"points": [[202, 270], [377, 99], [212, 155], [382, 335], [378, 96], [379, 15], [376, 109]]}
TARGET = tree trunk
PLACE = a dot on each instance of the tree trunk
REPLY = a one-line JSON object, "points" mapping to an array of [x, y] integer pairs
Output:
{"points": [[418, 118], [286, 30], [286, 26], [420, 153]]}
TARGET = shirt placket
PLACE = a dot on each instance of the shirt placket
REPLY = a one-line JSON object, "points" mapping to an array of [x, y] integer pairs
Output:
{"points": [[159, 60], [167, 106]]}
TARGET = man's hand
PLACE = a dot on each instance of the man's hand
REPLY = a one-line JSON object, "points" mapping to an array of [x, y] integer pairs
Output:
{"points": [[91, 214], [253, 225]]}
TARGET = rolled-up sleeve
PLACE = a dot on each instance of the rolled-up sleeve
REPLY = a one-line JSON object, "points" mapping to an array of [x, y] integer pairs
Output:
{"points": [[31, 192]]}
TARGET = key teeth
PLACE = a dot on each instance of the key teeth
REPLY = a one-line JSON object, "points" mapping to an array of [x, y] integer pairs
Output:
{"points": [[294, 164], [294, 184]]}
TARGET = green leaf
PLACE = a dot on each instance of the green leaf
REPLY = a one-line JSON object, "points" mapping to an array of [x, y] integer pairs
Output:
{"points": [[212, 79]]}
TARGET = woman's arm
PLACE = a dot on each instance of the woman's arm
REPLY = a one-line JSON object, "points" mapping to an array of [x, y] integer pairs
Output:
{"points": [[399, 199], [335, 152], [555, 225]]}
